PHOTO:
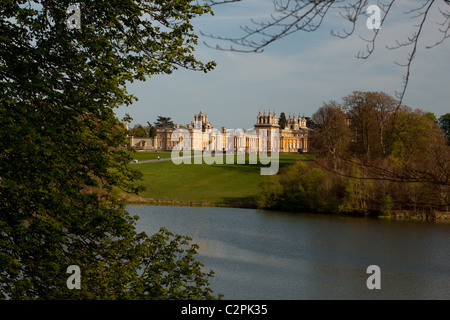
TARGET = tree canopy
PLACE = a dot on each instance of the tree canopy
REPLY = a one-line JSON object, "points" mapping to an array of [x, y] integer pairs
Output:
{"points": [[444, 123], [282, 120], [138, 131], [164, 122], [63, 155], [377, 159]]}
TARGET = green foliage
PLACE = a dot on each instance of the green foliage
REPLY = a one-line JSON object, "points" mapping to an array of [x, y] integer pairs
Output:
{"points": [[272, 192], [376, 153], [138, 131], [169, 270], [331, 134], [282, 120], [389, 146], [310, 123], [410, 136], [297, 188], [63, 151], [444, 123], [152, 132], [358, 192], [431, 116], [164, 122], [386, 205]]}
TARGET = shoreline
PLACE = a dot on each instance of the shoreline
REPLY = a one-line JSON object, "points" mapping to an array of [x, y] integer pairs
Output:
{"points": [[397, 215], [176, 203]]}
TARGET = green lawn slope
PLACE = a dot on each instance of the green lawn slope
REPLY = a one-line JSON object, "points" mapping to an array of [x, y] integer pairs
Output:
{"points": [[200, 184]]}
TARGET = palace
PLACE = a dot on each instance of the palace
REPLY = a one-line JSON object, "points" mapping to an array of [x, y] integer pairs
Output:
{"points": [[293, 138]]}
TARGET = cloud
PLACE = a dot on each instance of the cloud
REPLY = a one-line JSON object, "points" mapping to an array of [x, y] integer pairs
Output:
{"points": [[296, 74]]}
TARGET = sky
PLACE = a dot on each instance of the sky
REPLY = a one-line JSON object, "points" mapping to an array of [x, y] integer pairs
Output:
{"points": [[296, 74]]}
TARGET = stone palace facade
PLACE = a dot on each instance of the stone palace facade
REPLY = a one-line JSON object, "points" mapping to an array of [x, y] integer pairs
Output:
{"points": [[293, 138]]}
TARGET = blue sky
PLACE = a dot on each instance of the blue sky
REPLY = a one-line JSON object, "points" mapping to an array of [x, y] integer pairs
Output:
{"points": [[296, 74]]}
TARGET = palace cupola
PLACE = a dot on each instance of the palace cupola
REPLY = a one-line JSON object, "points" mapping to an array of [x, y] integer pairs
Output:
{"points": [[201, 121], [270, 119]]}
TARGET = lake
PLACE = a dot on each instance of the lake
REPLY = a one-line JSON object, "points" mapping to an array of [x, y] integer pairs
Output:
{"points": [[267, 255]]}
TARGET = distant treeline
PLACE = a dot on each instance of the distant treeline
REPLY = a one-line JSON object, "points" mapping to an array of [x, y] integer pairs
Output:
{"points": [[369, 155]]}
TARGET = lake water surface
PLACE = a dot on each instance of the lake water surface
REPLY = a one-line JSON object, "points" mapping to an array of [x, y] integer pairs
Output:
{"points": [[273, 255]]}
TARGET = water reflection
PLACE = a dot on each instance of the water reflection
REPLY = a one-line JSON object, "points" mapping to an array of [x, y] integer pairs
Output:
{"points": [[270, 255]]}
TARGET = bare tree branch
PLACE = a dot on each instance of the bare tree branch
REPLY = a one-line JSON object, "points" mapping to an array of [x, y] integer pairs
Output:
{"points": [[214, 3], [412, 41], [291, 16]]}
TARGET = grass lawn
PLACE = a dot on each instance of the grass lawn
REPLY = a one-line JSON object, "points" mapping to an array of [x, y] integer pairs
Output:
{"points": [[201, 183], [150, 155]]}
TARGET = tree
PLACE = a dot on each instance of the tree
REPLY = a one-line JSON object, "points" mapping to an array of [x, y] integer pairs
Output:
{"points": [[378, 159], [431, 116], [290, 17], [296, 188], [309, 123], [401, 151], [358, 192], [331, 135], [409, 139], [138, 131], [444, 124], [164, 122], [282, 121], [371, 115], [152, 132], [63, 155], [272, 192]]}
